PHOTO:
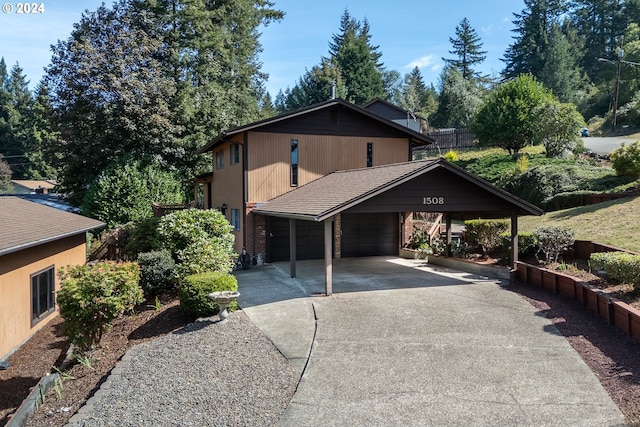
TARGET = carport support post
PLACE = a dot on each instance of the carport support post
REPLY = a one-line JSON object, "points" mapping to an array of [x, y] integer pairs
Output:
{"points": [[447, 251], [328, 259], [514, 239], [292, 247]]}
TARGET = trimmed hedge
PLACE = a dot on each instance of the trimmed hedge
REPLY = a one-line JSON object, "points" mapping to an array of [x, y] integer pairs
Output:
{"points": [[194, 289], [486, 232], [527, 243], [621, 266]]}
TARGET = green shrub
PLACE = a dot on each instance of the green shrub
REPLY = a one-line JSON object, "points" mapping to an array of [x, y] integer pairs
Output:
{"points": [[194, 289], [540, 184], [459, 249], [92, 296], [621, 266], [143, 237], [157, 272], [486, 232], [626, 160], [125, 191], [451, 156], [527, 243], [199, 241], [552, 241], [206, 254]]}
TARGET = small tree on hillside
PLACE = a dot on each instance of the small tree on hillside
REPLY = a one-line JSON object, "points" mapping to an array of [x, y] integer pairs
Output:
{"points": [[509, 119], [559, 127]]}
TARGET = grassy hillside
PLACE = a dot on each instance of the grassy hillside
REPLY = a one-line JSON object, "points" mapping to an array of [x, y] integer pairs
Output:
{"points": [[615, 222]]}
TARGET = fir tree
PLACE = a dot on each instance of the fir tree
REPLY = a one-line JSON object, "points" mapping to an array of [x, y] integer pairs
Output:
{"points": [[466, 47], [358, 60], [527, 53]]}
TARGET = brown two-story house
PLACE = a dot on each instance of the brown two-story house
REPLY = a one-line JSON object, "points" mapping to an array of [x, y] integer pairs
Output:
{"points": [[260, 161]]}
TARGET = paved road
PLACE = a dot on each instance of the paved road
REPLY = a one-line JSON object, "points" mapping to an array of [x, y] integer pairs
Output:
{"points": [[606, 145]]}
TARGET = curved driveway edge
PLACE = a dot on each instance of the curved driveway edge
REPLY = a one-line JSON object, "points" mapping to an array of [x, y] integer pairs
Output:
{"points": [[404, 343]]}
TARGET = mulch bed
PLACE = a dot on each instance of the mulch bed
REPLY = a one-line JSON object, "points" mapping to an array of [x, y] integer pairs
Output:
{"points": [[612, 356], [48, 348]]}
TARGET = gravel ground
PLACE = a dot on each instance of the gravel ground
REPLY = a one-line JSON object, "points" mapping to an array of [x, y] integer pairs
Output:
{"points": [[241, 380]]}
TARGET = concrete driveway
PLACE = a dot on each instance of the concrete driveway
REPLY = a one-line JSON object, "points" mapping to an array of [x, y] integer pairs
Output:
{"points": [[403, 343]]}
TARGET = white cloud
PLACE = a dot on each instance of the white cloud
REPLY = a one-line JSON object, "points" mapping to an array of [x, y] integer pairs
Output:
{"points": [[431, 62]]}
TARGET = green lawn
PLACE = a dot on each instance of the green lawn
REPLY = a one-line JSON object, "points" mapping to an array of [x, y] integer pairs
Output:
{"points": [[614, 223]]}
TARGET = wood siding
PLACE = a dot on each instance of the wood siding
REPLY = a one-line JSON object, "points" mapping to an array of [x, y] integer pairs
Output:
{"points": [[227, 187], [15, 286], [446, 191], [269, 159]]}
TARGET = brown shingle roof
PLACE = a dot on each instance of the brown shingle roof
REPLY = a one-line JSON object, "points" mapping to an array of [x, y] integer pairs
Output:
{"points": [[341, 190], [415, 136], [24, 224]]}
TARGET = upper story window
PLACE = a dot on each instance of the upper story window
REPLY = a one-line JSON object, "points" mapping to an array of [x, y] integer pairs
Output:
{"points": [[234, 154], [369, 154], [219, 159], [43, 300], [294, 162]]}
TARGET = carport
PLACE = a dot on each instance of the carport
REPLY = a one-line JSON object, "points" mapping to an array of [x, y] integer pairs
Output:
{"points": [[420, 186]]}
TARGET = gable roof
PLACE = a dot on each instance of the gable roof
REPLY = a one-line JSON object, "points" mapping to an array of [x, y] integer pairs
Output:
{"points": [[33, 184], [341, 190], [379, 105], [25, 224], [415, 137]]}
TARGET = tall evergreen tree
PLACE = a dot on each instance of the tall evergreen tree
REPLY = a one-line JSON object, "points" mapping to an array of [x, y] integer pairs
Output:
{"points": [[416, 96], [358, 60], [458, 101], [532, 27], [600, 23], [42, 137], [466, 48], [155, 79], [561, 72], [316, 86], [15, 112], [110, 96]]}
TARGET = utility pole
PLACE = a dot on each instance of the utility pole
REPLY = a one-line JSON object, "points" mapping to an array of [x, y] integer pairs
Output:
{"points": [[618, 63], [615, 100]]}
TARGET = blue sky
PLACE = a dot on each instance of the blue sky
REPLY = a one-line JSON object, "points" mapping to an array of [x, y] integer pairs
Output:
{"points": [[408, 33]]}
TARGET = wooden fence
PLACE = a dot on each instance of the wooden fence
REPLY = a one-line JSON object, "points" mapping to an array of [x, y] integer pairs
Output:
{"points": [[451, 139]]}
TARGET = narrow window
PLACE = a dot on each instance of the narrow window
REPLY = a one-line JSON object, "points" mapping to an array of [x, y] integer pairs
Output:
{"points": [[294, 162], [42, 294], [234, 154], [219, 159], [235, 219], [369, 154]]}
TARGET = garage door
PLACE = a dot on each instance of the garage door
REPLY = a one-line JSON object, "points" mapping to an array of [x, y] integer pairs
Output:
{"points": [[369, 234], [309, 239]]}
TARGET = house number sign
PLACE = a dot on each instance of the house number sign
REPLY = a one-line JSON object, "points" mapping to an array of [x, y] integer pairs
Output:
{"points": [[433, 200]]}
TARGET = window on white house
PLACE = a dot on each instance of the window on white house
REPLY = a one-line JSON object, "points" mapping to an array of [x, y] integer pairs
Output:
{"points": [[43, 299], [234, 154], [219, 159], [235, 219]]}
